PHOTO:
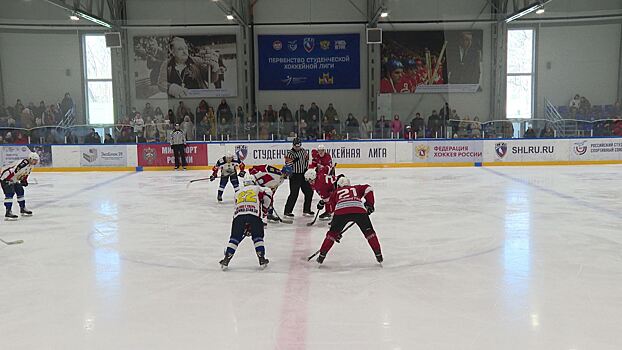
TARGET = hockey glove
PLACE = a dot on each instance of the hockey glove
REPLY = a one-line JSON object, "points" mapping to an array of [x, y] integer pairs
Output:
{"points": [[242, 173], [320, 205], [24, 183], [212, 178], [370, 208]]}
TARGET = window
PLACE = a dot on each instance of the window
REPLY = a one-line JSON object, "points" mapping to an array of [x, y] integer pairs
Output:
{"points": [[98, 77], [520, 73]]}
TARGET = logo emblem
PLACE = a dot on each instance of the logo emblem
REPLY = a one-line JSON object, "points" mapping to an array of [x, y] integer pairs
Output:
{"points": [[308, 44], [501, 148], [340, 44], [422, 151], [241, 151], [289, 80], [325, 44], [91, 156], [277, 45], [580, 148], [292, 45], [149, 154], [326, 79]]}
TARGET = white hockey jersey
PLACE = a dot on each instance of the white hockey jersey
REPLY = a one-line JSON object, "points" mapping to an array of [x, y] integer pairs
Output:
{"points": [[16, 172], [253, 200]]}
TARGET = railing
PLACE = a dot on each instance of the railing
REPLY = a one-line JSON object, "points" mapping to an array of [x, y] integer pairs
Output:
{"points": [[461, 129], [552, 115]]}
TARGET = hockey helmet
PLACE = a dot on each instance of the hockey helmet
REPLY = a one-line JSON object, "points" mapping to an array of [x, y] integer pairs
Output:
{"points": [[321, 148], [33, 156], [249, 180], [393, 65], [229, 155], [296, 142], [343, 182], [310, 175]]}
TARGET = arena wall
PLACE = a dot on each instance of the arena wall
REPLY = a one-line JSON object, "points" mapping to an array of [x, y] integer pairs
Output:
{"points": [[347, 154]]}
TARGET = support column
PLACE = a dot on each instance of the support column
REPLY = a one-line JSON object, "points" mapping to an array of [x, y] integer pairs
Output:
{"points": [[499, 57], [620, 67]]}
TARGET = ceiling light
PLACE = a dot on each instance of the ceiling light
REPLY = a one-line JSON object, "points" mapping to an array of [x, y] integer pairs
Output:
{"points": [[540, 11], [384, 14], [523, 12], [230, 17], [74, 17]]}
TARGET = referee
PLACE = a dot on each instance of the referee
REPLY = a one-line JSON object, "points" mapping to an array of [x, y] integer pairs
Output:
{"points": [[298, 159]]}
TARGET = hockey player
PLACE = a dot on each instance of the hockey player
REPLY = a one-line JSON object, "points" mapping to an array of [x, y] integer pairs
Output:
{"points": [[346, 202], [321, 160], [270, 177], [228, 166], [324, 185], [14, 177], [251, 203], [395, 82]]}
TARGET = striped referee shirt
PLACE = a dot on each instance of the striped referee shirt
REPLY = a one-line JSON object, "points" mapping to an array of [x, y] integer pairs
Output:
{"points": [[299, 160]]}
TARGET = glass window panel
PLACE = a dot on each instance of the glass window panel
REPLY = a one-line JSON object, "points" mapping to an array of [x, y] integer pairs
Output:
{"points": [[101, 108], [97, 57], [520, 51], [518, 100]]}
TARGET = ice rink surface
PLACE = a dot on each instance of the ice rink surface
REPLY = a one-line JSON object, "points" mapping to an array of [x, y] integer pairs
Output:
{"points": [[475, 258]]}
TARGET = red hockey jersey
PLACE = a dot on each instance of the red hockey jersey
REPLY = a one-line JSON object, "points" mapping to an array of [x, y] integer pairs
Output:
{"points": [[349, 200], [323, 163], [324, 185]]}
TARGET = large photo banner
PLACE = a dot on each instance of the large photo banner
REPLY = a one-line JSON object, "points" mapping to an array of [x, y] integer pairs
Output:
{"points": [[185, 66], [10, 154], [431, 61], [162, 154], [309, 62]]}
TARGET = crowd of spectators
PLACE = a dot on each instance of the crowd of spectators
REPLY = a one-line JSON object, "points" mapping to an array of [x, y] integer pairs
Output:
{"points": [[18, 123]]}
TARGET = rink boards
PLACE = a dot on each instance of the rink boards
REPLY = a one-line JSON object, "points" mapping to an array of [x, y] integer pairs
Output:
{"points": [[373, 153]]}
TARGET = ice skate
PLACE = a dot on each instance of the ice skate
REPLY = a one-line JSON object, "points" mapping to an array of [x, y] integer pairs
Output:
{"points": [[25, 212], [224, 263], [263, 262], [309, 213], [379, 258], [8, 216], [325, 216], [320, 258]]}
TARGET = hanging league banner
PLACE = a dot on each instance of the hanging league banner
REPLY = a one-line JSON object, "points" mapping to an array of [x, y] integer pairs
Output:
{"points": [[309, 62]]}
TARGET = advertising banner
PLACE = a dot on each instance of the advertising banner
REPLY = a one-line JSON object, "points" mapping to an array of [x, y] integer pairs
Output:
{"points": [[162, 154], [525, 150], [9, 154], [448, 151], [431, 61], [185, 66], [309, 62], [595, 149], [103, 155], [343, 152]]}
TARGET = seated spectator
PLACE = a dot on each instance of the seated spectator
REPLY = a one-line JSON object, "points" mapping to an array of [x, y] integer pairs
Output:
{"points": [[148, 111], [575, 103], [138, 125], [301, 114], [250, 127], [182, 112], [303, 129], [507, 130], [314, 110], [8, 138], [434, 125], [239, 118], [211, 119], [312, 127], [617, 127], [91, 137], [20, 138], [464, 128], [547, 132], [171, 117], [108, 139], [286, 118], [530, 133], [188, 128], [151, 130], [38, 111], [203, 129], [417, 125], [331, 113], [584, 106], [396, 126], [28, 119], [2, 141], [365, 129], [352, 126], [19, 107], [408, 132], [476, 128]]}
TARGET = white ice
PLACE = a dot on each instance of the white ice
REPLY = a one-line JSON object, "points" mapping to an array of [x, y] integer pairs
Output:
{"points": [[475, 258]]}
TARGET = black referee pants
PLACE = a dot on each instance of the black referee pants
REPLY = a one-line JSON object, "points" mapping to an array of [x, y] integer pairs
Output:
{"points": [[297, 182]]}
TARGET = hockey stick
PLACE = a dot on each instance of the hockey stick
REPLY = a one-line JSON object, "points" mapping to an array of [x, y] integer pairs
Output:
{"points": [[314, 219], [19, 241], [340, 233], [201, 179]]}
